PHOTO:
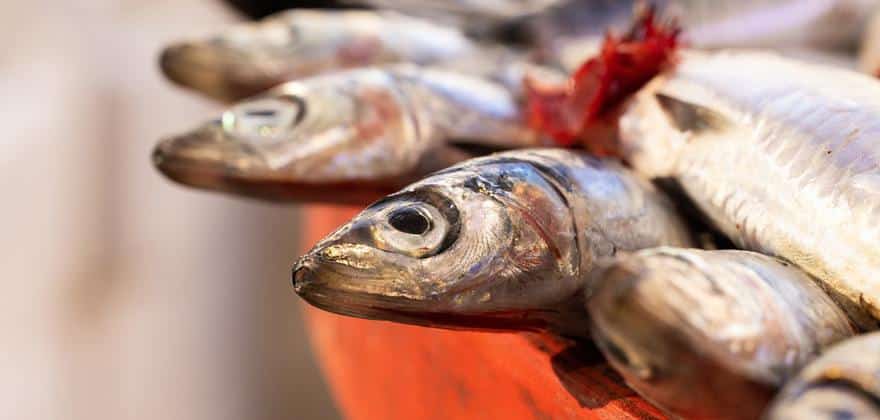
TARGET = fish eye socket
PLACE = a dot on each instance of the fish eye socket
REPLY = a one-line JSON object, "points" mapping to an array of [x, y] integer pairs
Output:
{"points": [[420, 223], [264, 119], [415, 229], [410, 220]]}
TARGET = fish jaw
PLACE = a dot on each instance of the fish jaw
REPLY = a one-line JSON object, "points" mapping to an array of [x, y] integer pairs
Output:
{"points": [[207, 159], [316, 282]]}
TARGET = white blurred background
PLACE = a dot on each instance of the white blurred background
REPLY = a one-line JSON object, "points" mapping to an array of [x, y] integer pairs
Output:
{"points": [[127, 297]]}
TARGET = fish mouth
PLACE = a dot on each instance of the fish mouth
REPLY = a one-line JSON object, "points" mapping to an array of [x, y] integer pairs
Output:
{"points": [[207, 169], [313, 281], [220, 73]]}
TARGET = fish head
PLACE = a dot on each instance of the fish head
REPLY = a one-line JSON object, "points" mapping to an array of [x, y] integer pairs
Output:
{"points": [[480, 250], [829, 400], [663, 322], [340, 131], [254, 57]]}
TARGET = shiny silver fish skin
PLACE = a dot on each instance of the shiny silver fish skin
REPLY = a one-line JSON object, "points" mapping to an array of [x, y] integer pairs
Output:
{"points": [[710, 334], [784, 157], [502, 242], [475, 15], [253, 57], [346, 136], [844, 383], [827, 24], [819, 27]]}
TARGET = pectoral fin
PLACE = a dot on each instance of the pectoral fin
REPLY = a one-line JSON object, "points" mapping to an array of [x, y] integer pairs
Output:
{"points": [[690, 117]]}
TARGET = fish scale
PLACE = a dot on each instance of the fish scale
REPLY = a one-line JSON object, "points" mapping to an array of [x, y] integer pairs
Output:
{"points": [[776, 163]]}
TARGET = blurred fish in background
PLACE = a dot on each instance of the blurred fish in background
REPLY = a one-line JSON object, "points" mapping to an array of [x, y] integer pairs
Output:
{"points": [[125, 298]]}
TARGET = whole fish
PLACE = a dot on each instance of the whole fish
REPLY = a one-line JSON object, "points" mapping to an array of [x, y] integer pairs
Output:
{"points": [[784, 157], [253, 57], [502, 242], [710, 334], [844, 383], [347, 136]]}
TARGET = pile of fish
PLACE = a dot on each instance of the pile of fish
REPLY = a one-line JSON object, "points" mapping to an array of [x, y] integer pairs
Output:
{"points": [[760, 133]]}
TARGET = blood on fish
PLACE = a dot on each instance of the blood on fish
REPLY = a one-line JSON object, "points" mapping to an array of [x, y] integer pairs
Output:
{"points": [[359, 52], [381, 110], [569, 113]]}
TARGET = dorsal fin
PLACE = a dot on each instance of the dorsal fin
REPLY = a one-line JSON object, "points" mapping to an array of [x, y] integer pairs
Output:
{"points": [[690, 117]]}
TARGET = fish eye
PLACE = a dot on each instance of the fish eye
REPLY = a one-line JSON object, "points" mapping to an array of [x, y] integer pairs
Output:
{"points": [[409, 220], [419, 223], [413, 228], [266, 119]]}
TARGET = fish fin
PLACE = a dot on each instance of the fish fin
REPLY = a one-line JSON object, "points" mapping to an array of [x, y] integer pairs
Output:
{"points": [[690, 117]]}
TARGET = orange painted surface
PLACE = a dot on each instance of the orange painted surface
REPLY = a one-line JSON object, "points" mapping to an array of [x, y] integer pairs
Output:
{"points": [[382, 370]]}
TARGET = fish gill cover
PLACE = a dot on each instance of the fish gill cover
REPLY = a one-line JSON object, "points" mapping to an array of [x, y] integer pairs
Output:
{"points": [[574, 111]]}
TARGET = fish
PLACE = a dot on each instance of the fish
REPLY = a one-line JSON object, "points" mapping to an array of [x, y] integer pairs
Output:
{"points": [[497, 243], [709, 334], [253, 57], [840, 384], [347, 137], [822, 24], [782, 156], [476, 16], [570, 33]]}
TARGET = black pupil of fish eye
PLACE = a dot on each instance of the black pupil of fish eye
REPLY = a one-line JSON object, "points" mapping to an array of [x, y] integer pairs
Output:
{"points": [[261, 113], [409, 220]]}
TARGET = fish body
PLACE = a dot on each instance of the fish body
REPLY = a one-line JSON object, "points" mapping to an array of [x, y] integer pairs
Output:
{"points": [[502, 242], [827, 24], [254, 57], [571, 33], [710, 334], [365, 131], [844, 383], [478, 16], [784, 157]]}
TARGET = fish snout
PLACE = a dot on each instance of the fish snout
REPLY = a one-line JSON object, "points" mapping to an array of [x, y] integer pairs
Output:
{"points": [[303, 274], [212, 70], [186, 63]]}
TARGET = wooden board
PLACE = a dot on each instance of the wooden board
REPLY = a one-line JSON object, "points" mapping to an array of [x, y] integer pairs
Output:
{"points": [[382, 370]]}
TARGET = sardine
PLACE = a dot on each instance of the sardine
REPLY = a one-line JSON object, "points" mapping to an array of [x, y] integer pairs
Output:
{"points": [[844, 383], [784, 157], [569, 33], [477, 16], [502, 242], [710, 334], [772, 23], [374, 130], [253, 57]]}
